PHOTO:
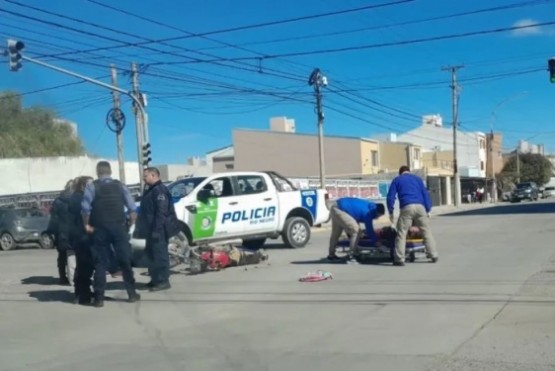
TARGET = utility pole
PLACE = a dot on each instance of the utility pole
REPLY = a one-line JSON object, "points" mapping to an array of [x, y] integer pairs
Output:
{"points": [[492, 158], [517, 166], [119, 126], [138, 119], [455, 90], [317, 80]]}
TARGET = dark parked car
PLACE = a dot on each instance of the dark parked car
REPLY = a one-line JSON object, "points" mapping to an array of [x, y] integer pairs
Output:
{"points": [[19, 226], [525, 191]]}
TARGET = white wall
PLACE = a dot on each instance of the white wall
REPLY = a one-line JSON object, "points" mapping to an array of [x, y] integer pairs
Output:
{"points": [[44, 174], [469, 153]]}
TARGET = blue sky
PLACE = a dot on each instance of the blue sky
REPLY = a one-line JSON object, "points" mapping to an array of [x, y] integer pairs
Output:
{"points": [[197, 95]]}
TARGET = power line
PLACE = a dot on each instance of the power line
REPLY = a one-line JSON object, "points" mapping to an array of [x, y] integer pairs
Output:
{"points": [[247, 27], [189, 33], [380, 45], [267, 71], [392, 25]]}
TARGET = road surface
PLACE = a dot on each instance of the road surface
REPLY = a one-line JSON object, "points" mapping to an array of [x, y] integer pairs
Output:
{"points": [[488, 304]]}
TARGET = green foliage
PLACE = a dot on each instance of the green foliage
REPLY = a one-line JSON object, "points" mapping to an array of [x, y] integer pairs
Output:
{"points": [[533, 168], [32, 132]]}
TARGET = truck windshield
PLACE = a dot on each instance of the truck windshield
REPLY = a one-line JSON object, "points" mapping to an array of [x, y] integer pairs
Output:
{"points": [[182, 187]]}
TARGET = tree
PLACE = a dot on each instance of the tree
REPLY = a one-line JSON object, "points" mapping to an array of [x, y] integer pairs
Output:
{"points": [[33, 132], [533, 168]]}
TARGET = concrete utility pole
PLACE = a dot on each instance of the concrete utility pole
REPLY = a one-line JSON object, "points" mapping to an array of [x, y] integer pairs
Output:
{"points": [[317, 80], [517, 166], [118, 122], [138, 119], [455, 90], [492, 158]]}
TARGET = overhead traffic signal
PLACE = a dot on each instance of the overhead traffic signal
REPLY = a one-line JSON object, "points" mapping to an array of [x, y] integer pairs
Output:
{"points": [[14, 55], [146, 152], [551, 65]]}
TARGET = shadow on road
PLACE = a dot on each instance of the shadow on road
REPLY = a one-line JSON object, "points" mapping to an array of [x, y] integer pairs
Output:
{"points": [[368, 261], [509, 209], [40, 280], [63, 296]]}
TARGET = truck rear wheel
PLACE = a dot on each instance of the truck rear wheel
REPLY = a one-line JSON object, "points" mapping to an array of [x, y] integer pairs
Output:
{"points": [[296, 232]]}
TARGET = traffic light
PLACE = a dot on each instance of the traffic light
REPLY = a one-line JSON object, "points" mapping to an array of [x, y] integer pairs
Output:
{"points": [[146, 154], [551, 64], [14, 49]]}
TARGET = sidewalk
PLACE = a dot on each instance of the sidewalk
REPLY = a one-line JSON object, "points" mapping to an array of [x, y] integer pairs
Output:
{"points": [[436, 211]]}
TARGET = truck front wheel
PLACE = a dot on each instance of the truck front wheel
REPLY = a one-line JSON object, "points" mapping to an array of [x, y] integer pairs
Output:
{"points": [[296, 232]]}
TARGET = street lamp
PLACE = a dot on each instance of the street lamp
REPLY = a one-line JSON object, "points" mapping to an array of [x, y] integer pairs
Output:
{"points": [[492, 121]]}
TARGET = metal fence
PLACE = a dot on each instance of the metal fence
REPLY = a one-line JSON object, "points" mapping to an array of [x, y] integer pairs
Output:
{"points": [[368, 186]]}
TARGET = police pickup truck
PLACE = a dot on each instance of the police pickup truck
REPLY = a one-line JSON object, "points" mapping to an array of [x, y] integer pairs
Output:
{"points": [[252, 206]]}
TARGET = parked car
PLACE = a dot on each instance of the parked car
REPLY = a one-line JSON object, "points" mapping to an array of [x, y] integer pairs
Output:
{"points": [[25, 225], [525, 191], [548, 192]]}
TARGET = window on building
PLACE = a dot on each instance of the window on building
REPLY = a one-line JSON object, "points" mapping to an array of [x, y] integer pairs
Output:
{"points": [[482, 165], [229, 166], [374, 156], [417, 154]]}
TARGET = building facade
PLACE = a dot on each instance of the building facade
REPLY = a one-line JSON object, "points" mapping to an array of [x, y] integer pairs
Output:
{"points": [[396, 154], [297, 155], [432, 136]]}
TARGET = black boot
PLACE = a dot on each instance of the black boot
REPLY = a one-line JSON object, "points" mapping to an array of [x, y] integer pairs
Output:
{"points": [[63, 277]]}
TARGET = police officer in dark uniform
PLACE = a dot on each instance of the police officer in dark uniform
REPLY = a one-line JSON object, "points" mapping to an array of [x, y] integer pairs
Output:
{"points": [[159, 223], [59, 227], [81, 243], [103, 210]]}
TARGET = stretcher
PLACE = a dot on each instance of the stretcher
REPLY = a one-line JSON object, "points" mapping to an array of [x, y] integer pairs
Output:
{"points": [[367, 250]]}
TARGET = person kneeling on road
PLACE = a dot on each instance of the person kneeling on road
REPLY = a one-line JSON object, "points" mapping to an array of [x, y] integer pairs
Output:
{"points": [[346, 215]]}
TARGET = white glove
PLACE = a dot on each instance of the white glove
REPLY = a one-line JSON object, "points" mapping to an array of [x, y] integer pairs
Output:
{"points": [[429, 215]]}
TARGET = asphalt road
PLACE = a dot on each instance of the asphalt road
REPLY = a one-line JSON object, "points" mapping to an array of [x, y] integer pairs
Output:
{"points": [[488, 304]]}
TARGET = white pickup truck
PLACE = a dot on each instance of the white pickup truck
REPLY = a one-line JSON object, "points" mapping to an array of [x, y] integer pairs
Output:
{"points": [[251, 206]]}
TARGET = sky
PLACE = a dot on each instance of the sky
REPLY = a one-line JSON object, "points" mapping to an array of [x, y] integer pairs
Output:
{"points": [[210, 66]]}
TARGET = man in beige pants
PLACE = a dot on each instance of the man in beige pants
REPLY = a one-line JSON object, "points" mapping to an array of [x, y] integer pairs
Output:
{"points": [[346, 215], [415, 205]]}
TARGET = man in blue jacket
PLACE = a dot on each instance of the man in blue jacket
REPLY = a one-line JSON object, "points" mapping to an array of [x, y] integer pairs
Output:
{"points": [[346, 214], [415, 206]]}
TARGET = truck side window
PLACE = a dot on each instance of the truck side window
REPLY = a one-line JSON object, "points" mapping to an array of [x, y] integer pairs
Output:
{"points": [[251, 184], [221, 187]]}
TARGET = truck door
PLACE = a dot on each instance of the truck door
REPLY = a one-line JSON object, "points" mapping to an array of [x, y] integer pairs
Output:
{"points": [[259, 202], [213, 218]]}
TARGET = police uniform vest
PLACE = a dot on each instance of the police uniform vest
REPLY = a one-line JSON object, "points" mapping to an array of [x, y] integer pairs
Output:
{"points": [[108, 205]]}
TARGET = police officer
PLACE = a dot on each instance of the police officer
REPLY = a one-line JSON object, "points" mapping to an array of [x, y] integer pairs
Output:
{"points": [[81, 244], [59, 227], [103, 211], [159, 223]]}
